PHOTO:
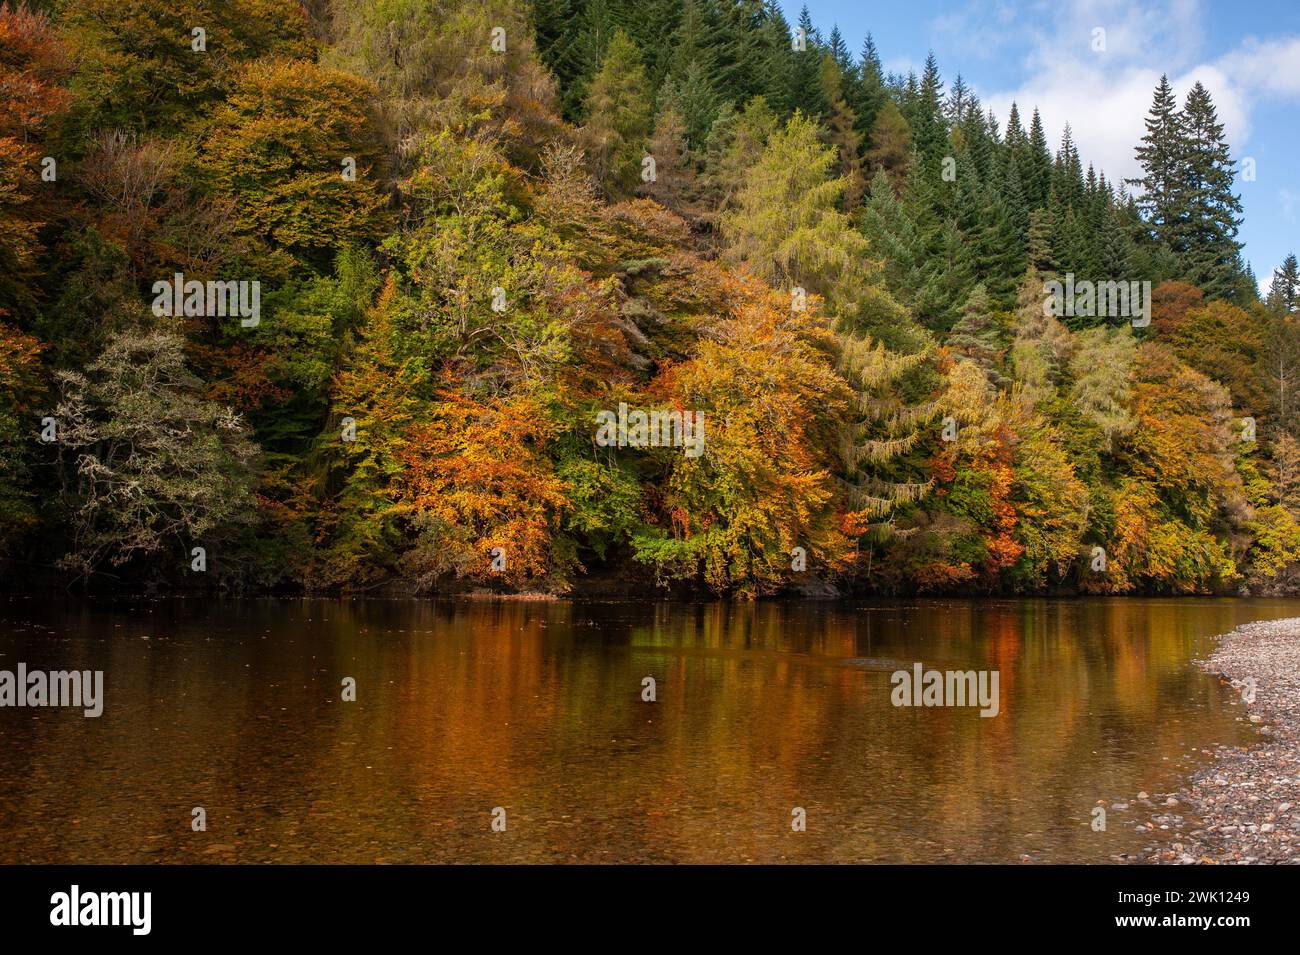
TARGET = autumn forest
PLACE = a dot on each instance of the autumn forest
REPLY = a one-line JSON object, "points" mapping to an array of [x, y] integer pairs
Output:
{"points": [[329, 297]]}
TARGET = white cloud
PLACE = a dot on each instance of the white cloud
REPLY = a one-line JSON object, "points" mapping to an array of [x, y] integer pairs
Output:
{"points": [[1272, 67], [1105, 96]]}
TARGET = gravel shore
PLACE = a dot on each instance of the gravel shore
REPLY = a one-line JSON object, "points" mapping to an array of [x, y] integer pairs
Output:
{"points": [[1245, 807]]}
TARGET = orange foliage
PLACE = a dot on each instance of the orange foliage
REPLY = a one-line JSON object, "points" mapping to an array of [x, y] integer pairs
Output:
{"points": [[477, 478]]}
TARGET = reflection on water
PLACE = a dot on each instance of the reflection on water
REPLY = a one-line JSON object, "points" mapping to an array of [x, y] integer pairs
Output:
{"points": [[536, 707]]}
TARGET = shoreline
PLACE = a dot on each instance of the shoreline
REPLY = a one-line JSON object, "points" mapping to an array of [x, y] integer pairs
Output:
{"points": [[1244, 808]]}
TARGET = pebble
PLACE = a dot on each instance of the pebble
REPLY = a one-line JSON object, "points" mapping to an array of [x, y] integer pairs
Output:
{"points": [[1227, 803]]}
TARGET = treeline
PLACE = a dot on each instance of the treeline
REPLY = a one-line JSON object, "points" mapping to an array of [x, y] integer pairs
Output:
{"points": [[475, 226]]}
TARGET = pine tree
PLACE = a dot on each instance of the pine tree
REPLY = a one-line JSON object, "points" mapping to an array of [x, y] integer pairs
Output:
{"points": [[842, 133], [1209, 213], [1160, 156], [891, 145], [978, 337], [805, 92], [618, 111], [1284, 295]]}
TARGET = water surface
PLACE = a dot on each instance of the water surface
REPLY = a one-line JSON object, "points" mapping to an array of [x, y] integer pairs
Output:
{"points": [[536, 707]]}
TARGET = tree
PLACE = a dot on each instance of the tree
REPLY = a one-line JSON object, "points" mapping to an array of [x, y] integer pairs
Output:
{"points": [[881, 428], [1280, 364], [137, 69], [33, 64], [736, 143], [786, 227], [477, 485], [867, 94], [676, 183], [978, 337], [20, 385], [294, 149], [1284, 292], [435, 67], [1101, 366], [891, 145], [618, 117], [805, 91], [842, 132], [769, 400], [1209, 214], [154, 465]]}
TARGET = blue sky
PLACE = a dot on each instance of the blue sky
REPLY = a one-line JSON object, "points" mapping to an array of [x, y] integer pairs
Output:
{"points": [[1039, 53]]}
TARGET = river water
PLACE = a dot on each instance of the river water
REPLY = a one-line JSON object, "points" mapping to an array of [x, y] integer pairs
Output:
{"points": [[536, 709]]}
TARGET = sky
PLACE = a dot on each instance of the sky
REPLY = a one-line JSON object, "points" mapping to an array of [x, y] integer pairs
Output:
{"points": [[1041, 53]]}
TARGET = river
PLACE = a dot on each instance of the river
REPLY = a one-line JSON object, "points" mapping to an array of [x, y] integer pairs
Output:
{"points": [[536, 708]]}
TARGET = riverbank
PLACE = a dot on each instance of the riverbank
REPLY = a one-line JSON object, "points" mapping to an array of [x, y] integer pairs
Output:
{"points": [[1245, 807]]}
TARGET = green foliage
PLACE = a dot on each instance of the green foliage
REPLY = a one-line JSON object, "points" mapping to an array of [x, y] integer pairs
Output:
{"points": [[841, 273], [158, 469], [618, 117]]}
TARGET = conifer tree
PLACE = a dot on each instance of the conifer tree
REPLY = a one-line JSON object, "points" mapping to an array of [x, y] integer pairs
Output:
{"points": [[786, 227], [881, 428], [805, 91], [618, 111], [676, 183], [1161, 162], [891, 145], [1037, 170], [1209, 214], [841, 126], [735, 144], [926, 117], [868, 93], [1284, 295], [978, 337]]}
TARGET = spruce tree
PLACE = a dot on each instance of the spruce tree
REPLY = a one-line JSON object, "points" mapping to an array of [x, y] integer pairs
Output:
{"points": [[1284, 295], [868, 93], [1037, 170], [978, 336], [926, 117], [619, 115], [805, 92], [841, 128], [1160, 156], [1205, 235]]}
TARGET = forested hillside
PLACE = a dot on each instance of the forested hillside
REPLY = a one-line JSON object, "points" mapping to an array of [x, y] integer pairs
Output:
{"points": [[331, 296]]}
